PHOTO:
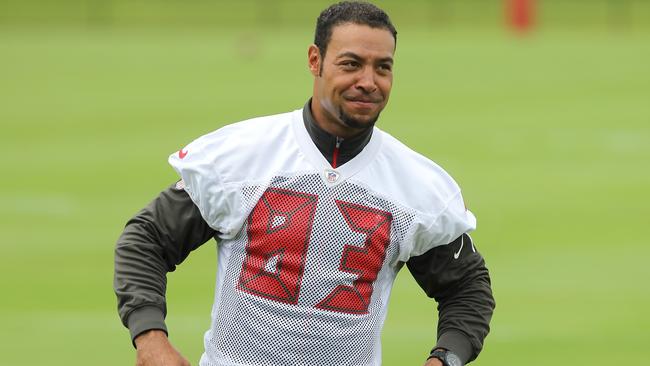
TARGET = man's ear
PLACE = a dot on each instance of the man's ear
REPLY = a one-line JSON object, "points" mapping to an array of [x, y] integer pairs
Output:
{"points": [[314, 60]]}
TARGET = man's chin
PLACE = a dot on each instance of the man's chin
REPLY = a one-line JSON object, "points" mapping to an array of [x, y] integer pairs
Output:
{"points": [[360, 122]]}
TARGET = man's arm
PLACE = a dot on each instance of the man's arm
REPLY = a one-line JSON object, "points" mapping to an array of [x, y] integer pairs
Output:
{"points": [[456, 277], [154, 241]]}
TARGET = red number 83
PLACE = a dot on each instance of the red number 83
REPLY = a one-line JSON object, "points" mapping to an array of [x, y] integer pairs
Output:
{"points": [[279, 230]]}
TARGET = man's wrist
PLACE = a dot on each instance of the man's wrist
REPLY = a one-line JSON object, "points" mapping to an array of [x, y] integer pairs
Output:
{"points": [[433, 362], [447, 358], [145, 319], [456, 342], [149, 336]]}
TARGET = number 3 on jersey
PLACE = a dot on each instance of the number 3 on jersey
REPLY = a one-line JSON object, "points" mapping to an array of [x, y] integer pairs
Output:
{"points": [[279, 229]]}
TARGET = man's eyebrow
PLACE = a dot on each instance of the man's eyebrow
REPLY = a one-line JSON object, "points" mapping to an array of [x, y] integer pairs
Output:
{"points": [[359, 58], [386, 59], [349, 54]]}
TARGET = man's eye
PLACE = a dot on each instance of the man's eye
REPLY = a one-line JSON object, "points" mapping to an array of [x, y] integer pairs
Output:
{"points": [[386, 67], [350, 64]]}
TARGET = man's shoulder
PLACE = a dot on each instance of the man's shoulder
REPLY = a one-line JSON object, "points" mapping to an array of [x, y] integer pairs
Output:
{"points": [[247, 136], [249, 149], [406, 158], [254, 127], [395, 146], [418, 180]]}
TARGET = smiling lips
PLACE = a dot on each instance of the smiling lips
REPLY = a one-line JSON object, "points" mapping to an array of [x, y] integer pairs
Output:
{"points": [[363, 102]]}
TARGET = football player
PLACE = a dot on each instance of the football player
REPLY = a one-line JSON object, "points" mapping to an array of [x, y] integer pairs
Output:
{"points": [[315, 211]]}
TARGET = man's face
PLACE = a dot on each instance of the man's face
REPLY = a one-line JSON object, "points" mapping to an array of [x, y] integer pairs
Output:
{"points": [[353, 82]]}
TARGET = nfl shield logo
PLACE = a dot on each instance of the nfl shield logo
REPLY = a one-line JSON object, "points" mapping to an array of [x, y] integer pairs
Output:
{"points": [[331, 176]]}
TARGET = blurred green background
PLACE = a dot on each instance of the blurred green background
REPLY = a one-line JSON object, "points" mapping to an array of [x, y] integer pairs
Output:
{"points": [[547, 131]]}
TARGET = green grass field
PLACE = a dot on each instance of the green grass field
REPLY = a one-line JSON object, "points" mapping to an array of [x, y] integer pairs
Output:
{"points": [[549, 136]]}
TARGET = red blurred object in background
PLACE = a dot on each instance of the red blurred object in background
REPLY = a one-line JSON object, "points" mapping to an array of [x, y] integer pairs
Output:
{"points": [[520, 14]]}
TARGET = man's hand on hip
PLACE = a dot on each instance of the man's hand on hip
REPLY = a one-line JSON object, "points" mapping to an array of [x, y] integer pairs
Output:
{"points": [[154, 349]]}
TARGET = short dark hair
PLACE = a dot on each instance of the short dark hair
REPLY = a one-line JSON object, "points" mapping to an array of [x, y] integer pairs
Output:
{"points": [[356, 12]]}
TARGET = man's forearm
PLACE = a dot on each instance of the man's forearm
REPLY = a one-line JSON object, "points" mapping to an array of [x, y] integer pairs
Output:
{"points": [[140, 277], [464, 315], [153, 242], [456, 276]]}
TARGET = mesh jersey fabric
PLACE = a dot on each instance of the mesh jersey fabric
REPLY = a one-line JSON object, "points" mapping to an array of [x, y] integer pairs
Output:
{"points": [[308, 254]]}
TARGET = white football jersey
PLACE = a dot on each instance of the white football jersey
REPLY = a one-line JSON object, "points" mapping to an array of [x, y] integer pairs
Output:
{"points": [[307, 253]]}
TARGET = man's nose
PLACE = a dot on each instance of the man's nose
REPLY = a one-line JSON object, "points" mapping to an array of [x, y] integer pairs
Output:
{"points": [[366, 80]]}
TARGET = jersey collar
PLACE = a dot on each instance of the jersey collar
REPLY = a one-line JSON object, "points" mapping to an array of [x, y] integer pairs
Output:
{"points": [[331, 176], [326, 143]]}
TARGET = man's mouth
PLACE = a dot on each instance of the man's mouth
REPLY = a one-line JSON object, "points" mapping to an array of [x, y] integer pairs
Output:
{"points": [[363, 102], [363, 99]]}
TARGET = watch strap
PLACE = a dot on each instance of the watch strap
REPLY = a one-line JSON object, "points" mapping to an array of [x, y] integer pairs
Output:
{"points": [[446, 357], [439, 354]]}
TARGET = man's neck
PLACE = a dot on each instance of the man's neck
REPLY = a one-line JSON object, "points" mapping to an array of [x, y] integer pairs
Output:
{"points": [[331, 145]]}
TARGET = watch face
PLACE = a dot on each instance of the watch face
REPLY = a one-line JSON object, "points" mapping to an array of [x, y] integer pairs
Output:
{"points": [[453, 360]]}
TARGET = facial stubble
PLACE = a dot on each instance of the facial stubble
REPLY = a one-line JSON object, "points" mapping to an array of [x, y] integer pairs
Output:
{"points": [[355, 123]]}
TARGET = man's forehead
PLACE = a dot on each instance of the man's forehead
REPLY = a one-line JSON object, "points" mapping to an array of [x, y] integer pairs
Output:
{"points": [[357, 38]]}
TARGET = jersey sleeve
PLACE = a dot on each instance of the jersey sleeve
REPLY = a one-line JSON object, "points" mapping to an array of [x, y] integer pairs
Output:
{"points": [[198, 165], [440, 229]]}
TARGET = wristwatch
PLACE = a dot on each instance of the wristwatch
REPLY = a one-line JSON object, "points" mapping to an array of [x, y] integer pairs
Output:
{"points": [[447, 358]]}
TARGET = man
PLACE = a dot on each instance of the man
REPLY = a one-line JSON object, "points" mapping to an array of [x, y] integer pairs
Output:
{"points": [[315, 211]]}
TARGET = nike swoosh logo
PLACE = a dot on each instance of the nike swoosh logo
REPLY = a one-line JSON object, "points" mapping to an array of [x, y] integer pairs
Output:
{"points": [[457, 254], [472, 243], [182, 154]]}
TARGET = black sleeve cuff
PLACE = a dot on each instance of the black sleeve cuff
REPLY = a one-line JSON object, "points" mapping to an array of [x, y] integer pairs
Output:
{"points": [[456, 342], [144, 319]]}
